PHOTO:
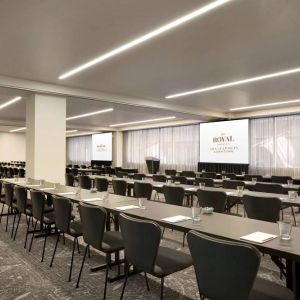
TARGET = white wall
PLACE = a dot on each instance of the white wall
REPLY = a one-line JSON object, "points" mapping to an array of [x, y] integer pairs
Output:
{"points": [[12, 146]]}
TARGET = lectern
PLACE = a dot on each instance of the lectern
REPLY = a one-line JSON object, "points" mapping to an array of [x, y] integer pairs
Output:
{"points": [[152, 164]]}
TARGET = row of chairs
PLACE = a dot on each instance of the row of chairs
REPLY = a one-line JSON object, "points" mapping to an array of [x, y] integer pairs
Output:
{"points": [[10, 172]]}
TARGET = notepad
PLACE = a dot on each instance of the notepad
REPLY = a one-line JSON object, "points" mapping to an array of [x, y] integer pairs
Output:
{"points": [[158, 185], [259, 237], [48, 189], [67, 193], [33, 185], [190, 189], [176, 219], [232, 193], [92, 199], [127, 207]]}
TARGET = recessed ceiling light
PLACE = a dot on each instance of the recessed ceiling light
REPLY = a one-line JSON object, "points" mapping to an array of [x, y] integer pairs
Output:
{"points": [[233, 83], [265, 105], [144, 121], [146, 37], [90, 114], [18, 129], [71, 131], [16, 99]]}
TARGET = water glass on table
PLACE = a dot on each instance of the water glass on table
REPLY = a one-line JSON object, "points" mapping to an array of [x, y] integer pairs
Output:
{"points": [[290, 182], [254, 179], [142, 203], [196, 214], [285, 228], [201, 185], [240, 189]]}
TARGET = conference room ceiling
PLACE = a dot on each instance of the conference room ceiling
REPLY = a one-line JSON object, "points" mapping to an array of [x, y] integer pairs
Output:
{"points": [[40, 40]]}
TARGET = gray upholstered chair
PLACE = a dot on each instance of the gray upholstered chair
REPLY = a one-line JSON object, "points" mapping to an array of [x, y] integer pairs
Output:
{"points": [[215, 199]]}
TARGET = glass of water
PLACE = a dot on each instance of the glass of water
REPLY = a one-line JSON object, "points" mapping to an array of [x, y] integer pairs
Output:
{"points": [[142, 203], [285, 228], [105, 196], [78, 192], [290, 182], [196, 214], [254, 179], [201, 185], [240, 189]]}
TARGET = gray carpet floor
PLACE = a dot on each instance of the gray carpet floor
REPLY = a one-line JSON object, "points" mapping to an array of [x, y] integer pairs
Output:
{"points": [[24, 276]]}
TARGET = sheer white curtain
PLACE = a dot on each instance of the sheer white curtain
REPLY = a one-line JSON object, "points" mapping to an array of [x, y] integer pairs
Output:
{"points": [[79, 149], [275, 146], [176, 147]]}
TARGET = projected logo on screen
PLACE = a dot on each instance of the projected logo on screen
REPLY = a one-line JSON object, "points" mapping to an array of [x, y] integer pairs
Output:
{"points": [[223, 144], [101, 148]]}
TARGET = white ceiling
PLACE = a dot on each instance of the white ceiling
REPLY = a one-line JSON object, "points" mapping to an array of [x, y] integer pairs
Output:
{"points": [[40, 40]]}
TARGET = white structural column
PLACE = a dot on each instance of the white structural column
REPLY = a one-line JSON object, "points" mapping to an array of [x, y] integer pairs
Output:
{"points": [[118, 149], [46, 137]]}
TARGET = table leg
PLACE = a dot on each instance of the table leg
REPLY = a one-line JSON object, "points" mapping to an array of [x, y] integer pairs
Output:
{"points": [[293, 277]]}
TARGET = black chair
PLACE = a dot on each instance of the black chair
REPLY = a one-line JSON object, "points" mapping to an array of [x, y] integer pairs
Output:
{"points": [[83, 166], [8, 200], [218, 263], [180, 179], [84, 182], [173, 194], [215, 199], [45, 218], [108, 170], [142, 190], [101, 184], [212, 175], [259, 178], [231, 176], [188, 174], [269, 188], [65, 225], [138, 176], [170, 172], [280, 179], [119, 187], [209, 182], [121, 174], [159, 178], [74, 171], [147, 255], [21, 173], [93, 220], [22, 206], [69, 179], [232, 184]]}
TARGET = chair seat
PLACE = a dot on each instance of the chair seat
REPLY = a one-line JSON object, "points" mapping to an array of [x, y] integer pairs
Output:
{"points": [[267, 290], [49, 218], [112, 241], [169, 261], [75, 229]]}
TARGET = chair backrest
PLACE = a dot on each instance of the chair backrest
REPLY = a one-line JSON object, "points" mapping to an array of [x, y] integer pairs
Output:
{"points": [[269, 188], [173, 194], [212, 175], [262, 208], [170, 172], [188, 173], [232, 176], [8, 193], [75, 171], [101, 184], [141, 252], [84, 182], [21, 198], [38, 204], [142, 190], [119, 187], [259, 178], [108, 170], [22, 173], [232, 184], [280, 179], [208, 181], [215, 199], [218, 263], [83, 166], [121, 174], [159, 178], [62, 213], [69, 179], [180, 179], [93, 220], [138, 176]]}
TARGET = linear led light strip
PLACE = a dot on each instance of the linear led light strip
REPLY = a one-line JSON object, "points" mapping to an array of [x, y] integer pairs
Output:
{"points": [[265, 105], [144, 121], [146, 37], [23, 128], [233, 83], [16, 99]]}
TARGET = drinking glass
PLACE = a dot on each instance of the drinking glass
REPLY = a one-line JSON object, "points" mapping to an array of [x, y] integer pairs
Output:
{"points": [[285, 227], [196, 214], [142, 203], [290, 182], [105, 197], [223, 177], [78, 192], [243, 173], [201, 185], [254, 179], [223, 172], [240, 189]]}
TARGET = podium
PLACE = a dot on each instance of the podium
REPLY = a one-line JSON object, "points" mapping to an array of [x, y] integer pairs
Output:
{"points": [[152, 164]]}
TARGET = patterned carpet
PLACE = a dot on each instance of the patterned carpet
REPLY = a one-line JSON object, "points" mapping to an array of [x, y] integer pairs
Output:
{"points": [[23, 276]]}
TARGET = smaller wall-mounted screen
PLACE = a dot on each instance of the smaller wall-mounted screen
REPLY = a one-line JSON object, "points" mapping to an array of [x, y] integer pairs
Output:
{"points": [[102, 146]]}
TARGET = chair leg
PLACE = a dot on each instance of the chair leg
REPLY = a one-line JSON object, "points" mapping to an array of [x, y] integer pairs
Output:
{"points": [[64, 238], [162, 235], [162, 288], [43, 254], [78, 250], [34, 228], [79, 276], [293, 213], [89, 252], [28, 224], [183, 241], [57, 240], [106, 274], [8, 212], [1, 211], [147, 283], [17, 226], [125, 280], [13, 227], [72, 258]]}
